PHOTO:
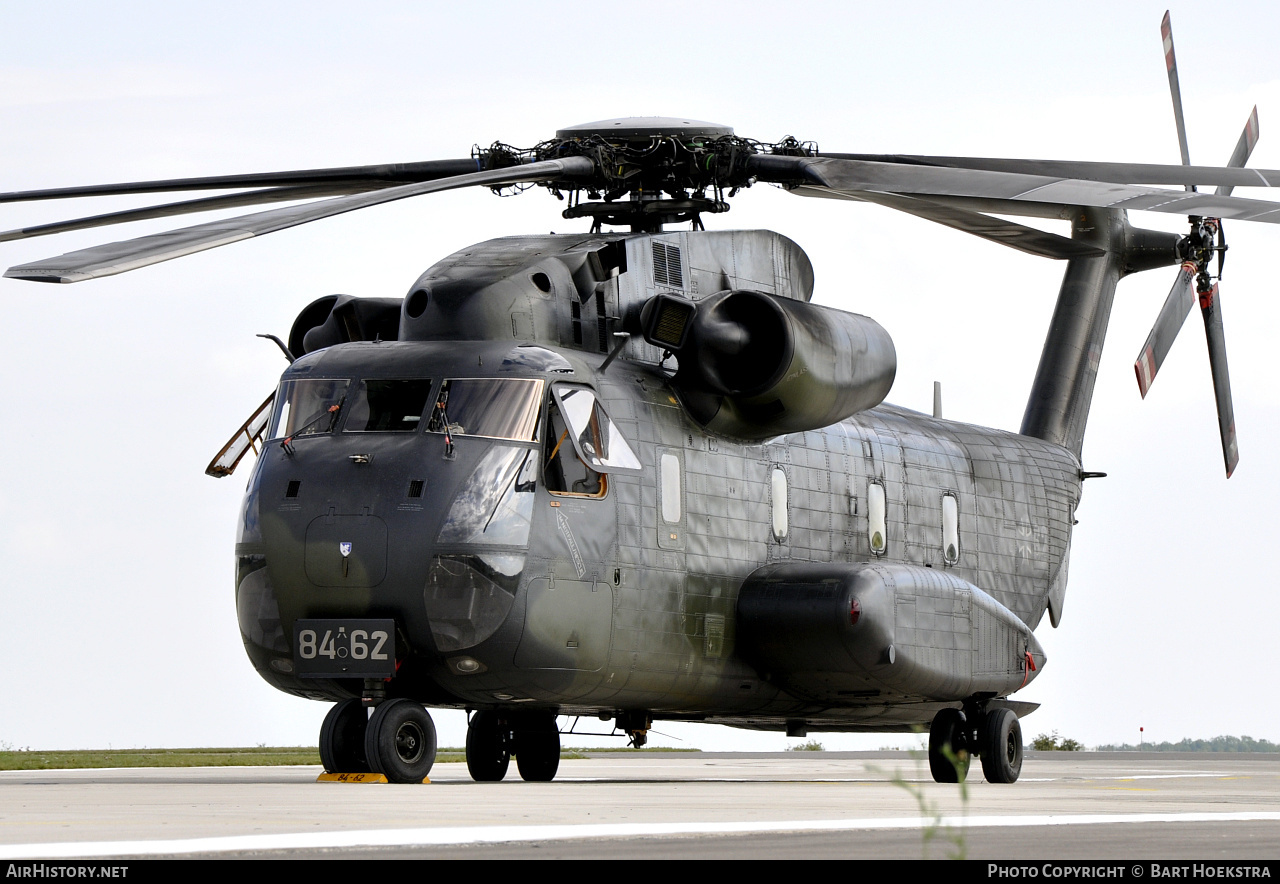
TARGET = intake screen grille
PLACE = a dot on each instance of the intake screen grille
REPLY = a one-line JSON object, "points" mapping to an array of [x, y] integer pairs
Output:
{"points": [[668, 268]]}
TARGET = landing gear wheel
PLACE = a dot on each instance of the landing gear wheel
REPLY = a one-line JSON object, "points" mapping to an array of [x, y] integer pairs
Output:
{"points": [[1001, 746], [537, 747], [948, 747], [342, 738], [488, 755], [400, 741]]}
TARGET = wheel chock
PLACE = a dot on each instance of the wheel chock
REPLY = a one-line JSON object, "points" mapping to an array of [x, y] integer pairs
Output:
{"points": [[327, 777]]}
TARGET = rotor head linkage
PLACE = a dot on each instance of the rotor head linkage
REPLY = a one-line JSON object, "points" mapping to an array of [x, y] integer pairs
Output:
{"points": [[649, 171]]}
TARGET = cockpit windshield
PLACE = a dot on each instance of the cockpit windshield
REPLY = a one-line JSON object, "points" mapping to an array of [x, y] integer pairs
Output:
{"points": [[307, 407], [388, 406], [500, 408]]}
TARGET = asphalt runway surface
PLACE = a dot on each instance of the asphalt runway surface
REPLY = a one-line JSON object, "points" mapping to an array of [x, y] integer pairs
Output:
{"points": [[810, 805]]}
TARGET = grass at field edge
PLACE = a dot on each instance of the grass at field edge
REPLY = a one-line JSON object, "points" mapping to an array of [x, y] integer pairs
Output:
{"points": [[75, 759]]}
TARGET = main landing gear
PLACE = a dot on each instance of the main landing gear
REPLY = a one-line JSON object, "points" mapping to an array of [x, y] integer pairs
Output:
{"points": [[397, 741], [996, 738], [531, 736]]}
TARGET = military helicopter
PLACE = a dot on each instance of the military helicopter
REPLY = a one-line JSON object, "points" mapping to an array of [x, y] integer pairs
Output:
{"points": [[638, 475]]}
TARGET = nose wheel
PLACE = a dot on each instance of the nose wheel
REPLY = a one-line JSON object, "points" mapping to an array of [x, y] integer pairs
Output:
{"points": [[400, 741], [342, 738]]}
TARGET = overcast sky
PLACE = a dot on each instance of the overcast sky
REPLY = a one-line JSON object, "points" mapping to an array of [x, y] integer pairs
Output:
{"points": [[117, 621]]}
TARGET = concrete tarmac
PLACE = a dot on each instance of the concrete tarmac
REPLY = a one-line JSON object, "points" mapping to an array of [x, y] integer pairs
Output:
{"points": [[849, 805]]}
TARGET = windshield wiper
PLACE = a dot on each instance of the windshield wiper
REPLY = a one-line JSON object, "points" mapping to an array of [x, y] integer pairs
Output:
{"points": [[331, 412]]}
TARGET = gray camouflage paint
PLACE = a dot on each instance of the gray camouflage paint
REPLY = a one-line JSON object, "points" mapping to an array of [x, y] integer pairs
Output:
{"points": [[617, 608]]}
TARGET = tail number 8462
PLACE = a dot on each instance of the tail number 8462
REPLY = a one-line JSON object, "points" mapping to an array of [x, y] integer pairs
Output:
{"points": [[329, 648]]}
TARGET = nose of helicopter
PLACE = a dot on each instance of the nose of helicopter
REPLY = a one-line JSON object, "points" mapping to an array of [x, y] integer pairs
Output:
{"points": [[429, 531]]}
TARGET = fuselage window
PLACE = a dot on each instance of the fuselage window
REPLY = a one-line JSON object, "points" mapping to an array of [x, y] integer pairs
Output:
{"points": [[778, 488], [388, 406], [669, 466], [497, 408], [876, 528], [950, 529], [307, 407]]}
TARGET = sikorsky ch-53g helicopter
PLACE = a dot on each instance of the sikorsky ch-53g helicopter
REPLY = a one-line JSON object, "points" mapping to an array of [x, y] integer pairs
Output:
{"points": [[636, 474]]}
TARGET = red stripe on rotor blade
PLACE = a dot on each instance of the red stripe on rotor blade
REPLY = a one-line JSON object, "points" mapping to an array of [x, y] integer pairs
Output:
{"points": [[1144, 367]]}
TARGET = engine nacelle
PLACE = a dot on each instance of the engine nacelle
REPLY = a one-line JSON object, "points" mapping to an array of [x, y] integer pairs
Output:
{"points": [[337, 319], [753, 365], [844, 631]]}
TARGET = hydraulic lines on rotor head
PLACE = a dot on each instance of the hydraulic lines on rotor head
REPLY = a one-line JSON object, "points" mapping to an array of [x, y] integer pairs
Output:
{"points": [[669, 176]]}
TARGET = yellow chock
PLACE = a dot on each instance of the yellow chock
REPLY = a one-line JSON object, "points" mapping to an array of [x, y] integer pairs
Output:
{"points": [[351, 778], [327, 777]]}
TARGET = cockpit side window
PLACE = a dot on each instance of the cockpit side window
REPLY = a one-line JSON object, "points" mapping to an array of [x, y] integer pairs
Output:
{"points": [[583, 445], [497, 408], [597, 439], [308, 407], [388, 406], [563, 470]]}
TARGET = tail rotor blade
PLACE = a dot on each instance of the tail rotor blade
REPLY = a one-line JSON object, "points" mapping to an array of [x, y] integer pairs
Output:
{"points": [[1168, 324], [1211, 309], [1244, 147], [1239, 157], [1166, 33]]}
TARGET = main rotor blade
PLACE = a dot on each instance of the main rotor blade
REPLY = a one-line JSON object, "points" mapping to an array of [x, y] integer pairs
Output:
{"points": [[106, 260], [1244, 147], [1211, 309], [1172, 315], [377, 175], [855, 176], [997, 230], [231, 201], [1166, 33], [1117, 173]]}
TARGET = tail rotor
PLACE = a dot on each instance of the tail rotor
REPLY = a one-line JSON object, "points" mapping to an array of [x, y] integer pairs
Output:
{"points": [[1205, 239]]}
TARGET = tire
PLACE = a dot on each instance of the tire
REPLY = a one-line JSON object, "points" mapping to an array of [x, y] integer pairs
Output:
{"points": [[400, 741], [488, 756], [537, 747], [342, 738], [1001, 746], [947, 738]]}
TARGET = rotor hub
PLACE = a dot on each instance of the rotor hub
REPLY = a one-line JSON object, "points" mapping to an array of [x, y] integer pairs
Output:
{"points": [[649, 171], [631, 129]]}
